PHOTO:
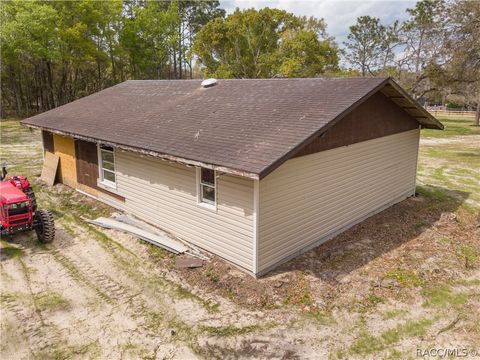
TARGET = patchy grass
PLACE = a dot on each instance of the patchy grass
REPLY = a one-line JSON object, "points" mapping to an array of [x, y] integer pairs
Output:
{"points": [[155, 320], [9, 251], [369, 303], [60, 351], [396, 313], [408, 329], [443, 296], [453, 127], [471, 282], [368, 344], [159, 256], [212, 274], [321, 317], [12, 297], [469, 254], [405, 277], [73, 208], [182, 331], [450, 159], [230, 330], [107, 241], [52, 301], [28, 161]]}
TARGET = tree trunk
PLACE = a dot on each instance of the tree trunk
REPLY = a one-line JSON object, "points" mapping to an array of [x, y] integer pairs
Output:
{"points": [[180, 49], [53, 100], [99, 76], [43, 85], [175, 74], [477, 115], [112, 60]]}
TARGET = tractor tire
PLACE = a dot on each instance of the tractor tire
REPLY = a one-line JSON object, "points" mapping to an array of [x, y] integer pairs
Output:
{"points": [[46, 226]]}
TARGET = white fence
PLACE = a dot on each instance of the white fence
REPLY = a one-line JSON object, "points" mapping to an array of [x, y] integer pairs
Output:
{"points": [[470, 115]]}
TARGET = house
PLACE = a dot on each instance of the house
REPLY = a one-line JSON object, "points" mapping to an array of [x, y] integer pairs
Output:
{"points": [[255, 171]]}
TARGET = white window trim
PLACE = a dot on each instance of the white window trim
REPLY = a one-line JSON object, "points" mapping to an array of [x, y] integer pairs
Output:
{"points": [[200, 201], [101, 181]]}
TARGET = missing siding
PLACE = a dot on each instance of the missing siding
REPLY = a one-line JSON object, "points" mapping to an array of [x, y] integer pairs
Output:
{"points": [[47, 138]]}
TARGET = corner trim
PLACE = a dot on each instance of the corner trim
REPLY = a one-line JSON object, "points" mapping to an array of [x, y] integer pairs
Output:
{"points": [[416, 161], [256, 207]]}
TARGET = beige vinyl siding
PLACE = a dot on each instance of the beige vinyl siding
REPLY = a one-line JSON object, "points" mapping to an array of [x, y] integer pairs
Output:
{"points": [[165, 194], [110, 200], [309, 199]]}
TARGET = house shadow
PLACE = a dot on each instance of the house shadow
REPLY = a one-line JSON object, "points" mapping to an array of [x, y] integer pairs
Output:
{"points": [[378, 235]]}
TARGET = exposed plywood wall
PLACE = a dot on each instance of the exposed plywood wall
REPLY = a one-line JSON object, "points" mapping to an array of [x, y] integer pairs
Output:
{"points": [[65, 149]]}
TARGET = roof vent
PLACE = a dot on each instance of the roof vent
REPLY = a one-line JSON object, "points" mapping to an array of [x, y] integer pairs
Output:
{"points": [[209, 82]]}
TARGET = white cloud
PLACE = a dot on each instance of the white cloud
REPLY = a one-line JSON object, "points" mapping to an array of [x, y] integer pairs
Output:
{"points": [[339, 15]]}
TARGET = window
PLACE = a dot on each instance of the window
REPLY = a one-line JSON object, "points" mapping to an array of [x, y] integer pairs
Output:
{"points": [[107, 165], [207, 188]]}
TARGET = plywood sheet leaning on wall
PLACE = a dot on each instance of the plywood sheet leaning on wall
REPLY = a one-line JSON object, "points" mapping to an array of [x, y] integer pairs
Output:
{"points": [[49, 170]]}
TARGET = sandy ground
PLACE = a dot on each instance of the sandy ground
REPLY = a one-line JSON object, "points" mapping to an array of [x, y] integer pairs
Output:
{"points": [[466, 141], [405, 279]]}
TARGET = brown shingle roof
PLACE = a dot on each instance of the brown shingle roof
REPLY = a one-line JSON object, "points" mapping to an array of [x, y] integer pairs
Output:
{"points": [[246, 126]]}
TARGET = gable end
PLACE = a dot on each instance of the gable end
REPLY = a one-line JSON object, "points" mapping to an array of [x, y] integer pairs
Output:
{"points": [[378, 116]]}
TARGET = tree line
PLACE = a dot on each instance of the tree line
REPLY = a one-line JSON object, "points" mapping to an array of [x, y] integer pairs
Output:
{"points": [[434, 54], [55, 52]]}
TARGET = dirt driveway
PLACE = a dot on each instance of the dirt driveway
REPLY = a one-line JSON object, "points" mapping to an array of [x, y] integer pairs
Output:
{"points": [[405, 280]]}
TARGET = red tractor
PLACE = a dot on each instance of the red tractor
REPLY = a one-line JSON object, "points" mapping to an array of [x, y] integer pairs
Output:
{"points": [[18, 209]]}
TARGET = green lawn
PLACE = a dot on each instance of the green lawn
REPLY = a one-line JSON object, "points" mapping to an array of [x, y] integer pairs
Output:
{"points": [[450, 160], [21, 148], [452, 127]]}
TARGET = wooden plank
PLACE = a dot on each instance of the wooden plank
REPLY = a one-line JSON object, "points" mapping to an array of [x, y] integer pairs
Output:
{"points": [[49, 170]]}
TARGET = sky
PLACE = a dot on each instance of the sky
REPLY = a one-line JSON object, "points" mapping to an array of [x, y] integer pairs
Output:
{"points": [[338, 14]]}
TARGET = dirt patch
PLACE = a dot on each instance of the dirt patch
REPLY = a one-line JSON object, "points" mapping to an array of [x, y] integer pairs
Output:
{"points": [[354, 265], [468, 140]]}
